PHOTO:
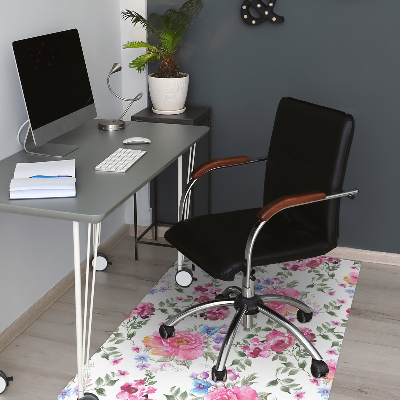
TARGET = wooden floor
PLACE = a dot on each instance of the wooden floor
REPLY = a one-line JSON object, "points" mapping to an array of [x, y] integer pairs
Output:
{"points": [[43, 359]]}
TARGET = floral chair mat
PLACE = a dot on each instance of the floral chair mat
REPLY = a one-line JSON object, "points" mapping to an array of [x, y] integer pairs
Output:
{"points": [[265, 363]]}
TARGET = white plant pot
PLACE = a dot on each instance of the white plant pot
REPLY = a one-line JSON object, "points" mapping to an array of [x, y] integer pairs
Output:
{"points": [[168, 95]]}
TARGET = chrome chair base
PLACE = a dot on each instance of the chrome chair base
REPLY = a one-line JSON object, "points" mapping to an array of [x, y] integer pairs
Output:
{"points": [[246, 308]]}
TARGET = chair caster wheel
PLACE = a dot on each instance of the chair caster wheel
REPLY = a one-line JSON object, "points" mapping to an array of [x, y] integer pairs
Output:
{"points": [[4, 381], [166, 332], [303, 316], [101, 262], [89, 396], [319, 369], [218, 375], [184, 277]]}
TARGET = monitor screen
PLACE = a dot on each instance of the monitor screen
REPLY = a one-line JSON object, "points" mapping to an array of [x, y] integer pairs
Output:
{"points": [[55, 83]]}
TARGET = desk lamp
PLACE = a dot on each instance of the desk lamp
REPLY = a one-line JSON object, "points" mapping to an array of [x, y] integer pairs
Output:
{"points": [[117, 124]]}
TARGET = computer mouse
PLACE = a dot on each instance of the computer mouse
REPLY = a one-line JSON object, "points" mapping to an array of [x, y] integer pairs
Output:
{"points": [[136, 140]]}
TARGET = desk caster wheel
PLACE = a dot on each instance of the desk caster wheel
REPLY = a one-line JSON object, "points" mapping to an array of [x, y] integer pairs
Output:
{"points": [[89, 396], [184, 277], [4, 381], [102, 262], [319, 368]]}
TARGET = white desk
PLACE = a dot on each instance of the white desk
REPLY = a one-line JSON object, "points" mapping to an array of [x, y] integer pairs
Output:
{"points": [[98, 195]]}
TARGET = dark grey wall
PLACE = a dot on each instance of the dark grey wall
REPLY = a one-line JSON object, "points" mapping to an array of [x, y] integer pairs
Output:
{"points": [[338, 53]]}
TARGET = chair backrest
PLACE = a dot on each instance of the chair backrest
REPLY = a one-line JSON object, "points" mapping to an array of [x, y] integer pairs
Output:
{"points": [[309, 148]]}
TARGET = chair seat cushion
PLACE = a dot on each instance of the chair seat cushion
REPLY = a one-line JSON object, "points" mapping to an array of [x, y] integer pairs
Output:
{"points": [[216, 243]]}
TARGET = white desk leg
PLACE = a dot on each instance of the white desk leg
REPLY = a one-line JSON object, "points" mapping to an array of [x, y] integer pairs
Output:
{"points": [[192, 153], [84, 327], [180, 255], [78, 308]]}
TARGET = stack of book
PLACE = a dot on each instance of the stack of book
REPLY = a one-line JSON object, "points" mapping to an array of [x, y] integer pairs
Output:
{"points": [[43, 180]]}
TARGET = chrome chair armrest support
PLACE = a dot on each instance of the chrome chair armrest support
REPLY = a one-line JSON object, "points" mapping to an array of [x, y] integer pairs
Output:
{"points": [[192, 181], [259, 225]]}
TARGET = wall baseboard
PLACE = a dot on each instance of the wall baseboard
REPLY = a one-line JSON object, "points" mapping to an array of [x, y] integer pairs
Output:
{"points": [[34, 312], [377, 257], [29, 316]]}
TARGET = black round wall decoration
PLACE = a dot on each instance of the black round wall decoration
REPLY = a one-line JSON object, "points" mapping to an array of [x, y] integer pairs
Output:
{"points": [[266, 12]]}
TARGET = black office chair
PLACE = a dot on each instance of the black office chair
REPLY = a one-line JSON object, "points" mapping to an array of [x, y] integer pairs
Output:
{"points": [[306, 164]]}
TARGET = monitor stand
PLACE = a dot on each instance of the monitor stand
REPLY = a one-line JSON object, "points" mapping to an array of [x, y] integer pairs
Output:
{"points": [[48, 149]]}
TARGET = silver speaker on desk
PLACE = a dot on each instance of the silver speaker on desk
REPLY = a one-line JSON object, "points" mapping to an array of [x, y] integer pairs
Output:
{"points": [[117, 124]]}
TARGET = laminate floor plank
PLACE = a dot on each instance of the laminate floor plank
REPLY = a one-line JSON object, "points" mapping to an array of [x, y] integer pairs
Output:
{"points": [[43, 358]]}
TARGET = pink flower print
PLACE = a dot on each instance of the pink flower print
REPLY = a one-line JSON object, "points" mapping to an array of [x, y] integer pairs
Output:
{"points": [[278, 281], [136, 349], [308, 333], [283, 308], [299, 395], [116, 361], [341, 301], [179, 298], [332, 368], [143, 310], [331, 293], [342, 285], [348, 312], [315, 381], [332, 351], [217, 313], [352, 278], [278, 341], [257, 349], [332, 260], [234, 393], [122, 373], [199, 290], [183, 346], [314, 262], [135, 391], [205, 297], [232, 375], [298, 265], [336, 323]]}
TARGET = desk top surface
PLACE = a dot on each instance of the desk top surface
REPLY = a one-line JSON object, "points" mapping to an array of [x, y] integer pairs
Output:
{"points": [[98, 194]]}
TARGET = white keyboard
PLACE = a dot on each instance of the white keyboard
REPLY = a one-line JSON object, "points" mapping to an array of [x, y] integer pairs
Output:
{"points": [[121, 160]]}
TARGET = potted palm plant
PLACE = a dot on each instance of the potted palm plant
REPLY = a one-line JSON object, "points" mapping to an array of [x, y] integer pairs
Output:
{"points": [[168, 86]]}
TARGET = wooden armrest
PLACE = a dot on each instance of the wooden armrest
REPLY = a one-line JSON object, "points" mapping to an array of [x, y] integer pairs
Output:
{"points": [[288, 201], [218, 162]]}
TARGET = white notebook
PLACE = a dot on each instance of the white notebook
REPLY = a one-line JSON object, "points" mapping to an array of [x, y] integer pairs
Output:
{"points": [[44, 180]]}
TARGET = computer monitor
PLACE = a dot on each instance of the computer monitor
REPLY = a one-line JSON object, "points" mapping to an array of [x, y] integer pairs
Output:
{"points": [[56, 88]]}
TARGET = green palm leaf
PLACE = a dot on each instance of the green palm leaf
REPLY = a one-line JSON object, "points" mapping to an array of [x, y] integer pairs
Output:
{"points": [[136, 18], [187, 13], [139, 44], [168, 27], [140, 63]]}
